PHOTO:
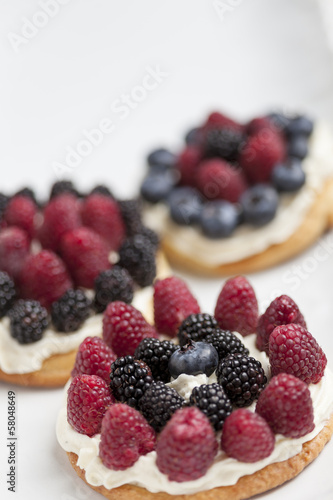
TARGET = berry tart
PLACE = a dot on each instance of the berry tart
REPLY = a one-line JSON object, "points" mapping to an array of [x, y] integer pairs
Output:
{"points": [[222, 406], [241, 197], [61, 264]]}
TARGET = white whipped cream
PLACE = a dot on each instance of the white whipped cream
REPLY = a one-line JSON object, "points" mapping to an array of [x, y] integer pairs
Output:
{"points": [[223, 472], [247, 240]]}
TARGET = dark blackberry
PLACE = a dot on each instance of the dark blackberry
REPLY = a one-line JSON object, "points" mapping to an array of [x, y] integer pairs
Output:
{"points": [[131, 214], [61, 187], [130, 378], [196, 327], [137, 255], [159, 403], [153, 237], [225, 343], [7, 293], [28, 192], [101, 189], [28, 320], [3, 204], [156, 353], [213, 402], [70, 311], [242, 378], [224, 143], [113, 284]]}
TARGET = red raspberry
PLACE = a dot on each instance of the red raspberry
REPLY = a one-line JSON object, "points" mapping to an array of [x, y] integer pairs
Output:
{"points": [[124, 327], [21, 212], [282, 311], [62, 214], [173, 302], [217, 179], [237, 307], [218, 120], [94, 357], [261, 152], [14, 248], [292, 349], [102, 214], [286, 405], [125, 436], [188, 162], [44, 278], [256, 125], [88, 398], [85, 254], [246, 436], [186, 446]]}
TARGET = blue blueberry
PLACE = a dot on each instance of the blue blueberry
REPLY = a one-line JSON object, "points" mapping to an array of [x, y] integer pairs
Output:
{"points": [[185, 205], [259, 204], [194, 358], [300, 125], [298, 146], [218, 219], [193, 137], [280, 120], [157, 186], [288, 176], [161, 159]]}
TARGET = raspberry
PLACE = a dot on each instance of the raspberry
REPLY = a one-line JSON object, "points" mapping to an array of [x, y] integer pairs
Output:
{"points": [[61, 214], [213, 402], [124, 327], [70, 311], [186, 446], [282, 311], [85, 254], [188, 162], [260, 153], [44, 277], [63, 187], [88, 398], [102, 189], [159, 403], [262, 123], [293, 350], [101, 213], [247, 437], [217, 120], [131, 215], [224, 143], [237, 307], [156, 354], [137, 255], [173, 302], [28, 192], [94, 357], [125, 436], [14, 249], [196, 327], [286, 406], [225, 343], [218, 180], [21, 212], [111, 285], [7, 293], [130, 378], [28, 320]]}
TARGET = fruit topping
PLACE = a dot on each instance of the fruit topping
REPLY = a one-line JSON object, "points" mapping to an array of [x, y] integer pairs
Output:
{"points": [[7, 293], [156, 354], [225, 343], [259, 204], [193, 358], [213, 402], [21, 211], [288, 176], [217, 179], [94, 357], [14, 248], [137, 255], [70, 311], [111, 285], [28, 320], [218, 219], [196, 327]]}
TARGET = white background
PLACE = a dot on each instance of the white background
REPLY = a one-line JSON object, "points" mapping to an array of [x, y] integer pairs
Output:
{"points": [[65, 79]]}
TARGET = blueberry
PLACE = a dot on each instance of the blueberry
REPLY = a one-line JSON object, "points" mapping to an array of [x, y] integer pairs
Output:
{"points": [[185, 205], [194, 358], [288, 176], [280, 120], [259, 204], [161, 159], [300, 125], [298, 146], [157, 186], [193, 137], [218, 219]]}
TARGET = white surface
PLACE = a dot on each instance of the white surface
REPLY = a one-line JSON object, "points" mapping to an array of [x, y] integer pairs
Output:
{"points": [[64, 80]]}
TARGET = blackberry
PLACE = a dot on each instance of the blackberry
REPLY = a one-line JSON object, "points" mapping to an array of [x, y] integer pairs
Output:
{"points": [[130, 378], [28, 320], [242, 378], [153, 237], [224, 143], [225, 343], [137, 255], [7, 293], [159, 403], [213, 402], [70, 311], [3, 204], [131, 214], [113, 284], [197, 327], [156, 353], [101, 189], [61, 187]]}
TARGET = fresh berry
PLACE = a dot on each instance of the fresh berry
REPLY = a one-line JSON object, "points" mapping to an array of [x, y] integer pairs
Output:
{"points": [[300, 125], [159, 403], [94, 357], [218, 180], [125, 436], [286, 406], [237, 307], [185, 205], [158, 185], [242, 378], [131, 212], [173, 302], [85, 254], [188, 163], [137, 255], [156, 354], [63, 187], [280, 121], [219, 219], [196, 327], [129, 379], [7, 293], [88, 398], [186, 446], [102, 189], [292, 349], [225, 343], [70, 311], [28, 192], [224, 143], [21, 212], [217, 120], [194, 137], [213, 402], [124, 328], [281, 311], [3, 204], [151, 236], [14, 249], [257, 125], [298, 147], [111, 285], [194, 358], [28, 320], [44, 277], [259, 204], [247, 437], [162, 159], [289, 176]]}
